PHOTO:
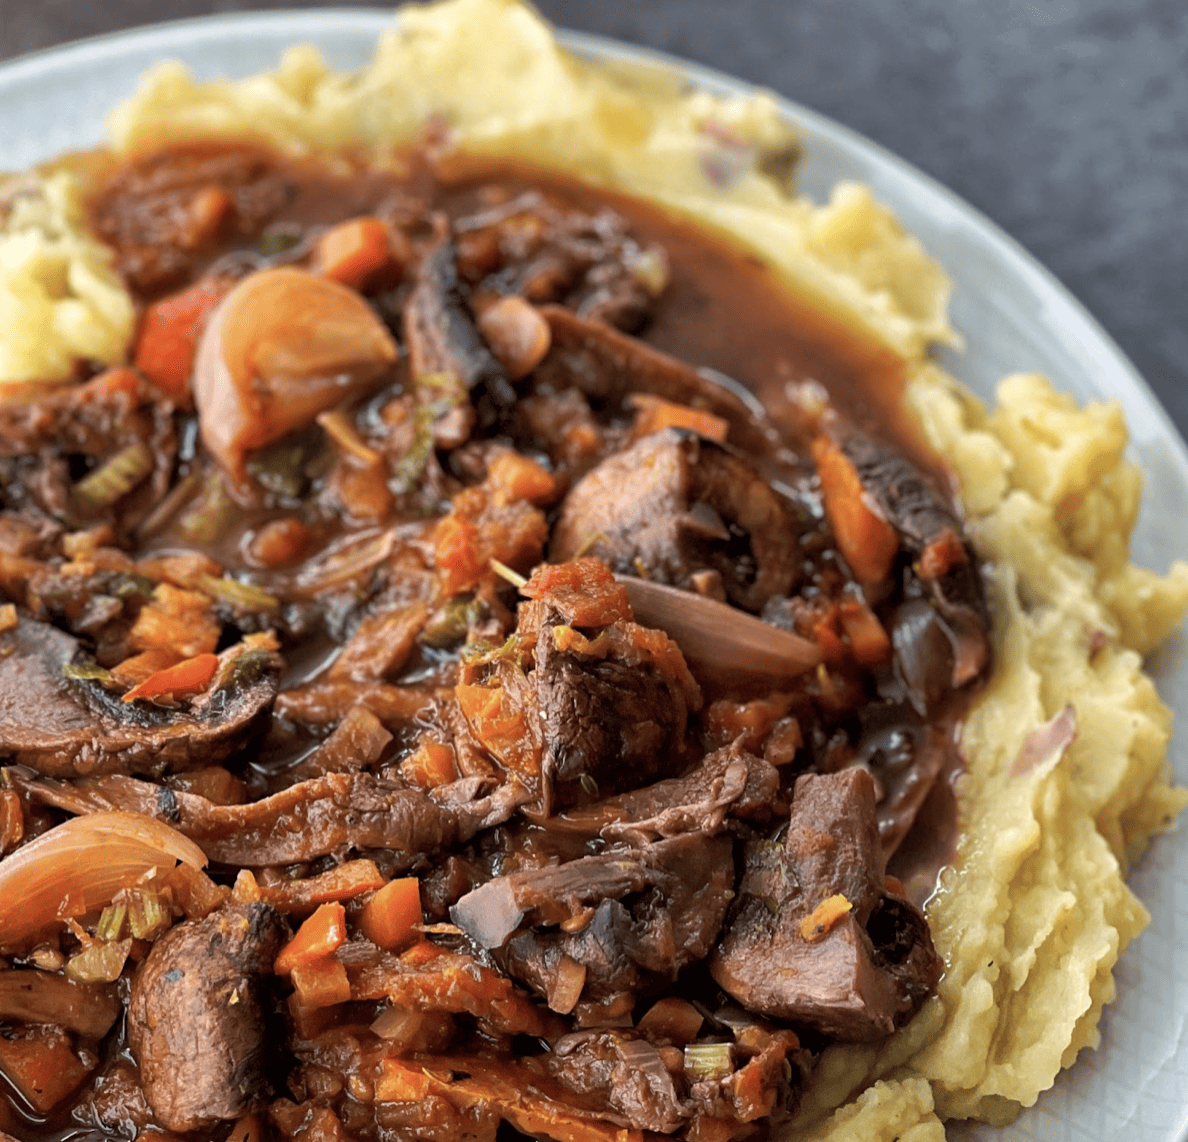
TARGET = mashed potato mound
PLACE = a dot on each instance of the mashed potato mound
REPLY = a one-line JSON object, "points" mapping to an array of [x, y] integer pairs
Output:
{"points": [[1068, 778], [60, 300]]}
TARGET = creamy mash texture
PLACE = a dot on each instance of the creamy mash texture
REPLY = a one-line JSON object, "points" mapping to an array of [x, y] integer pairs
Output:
{"points": [[1067, 775]]}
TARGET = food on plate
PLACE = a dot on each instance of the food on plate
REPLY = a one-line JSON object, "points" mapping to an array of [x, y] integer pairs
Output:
{"points": [[506, 628]]}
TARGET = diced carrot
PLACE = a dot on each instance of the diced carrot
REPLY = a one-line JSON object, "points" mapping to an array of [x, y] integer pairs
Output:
{"points": [[119, 379], [820, 922], [455, 547], [867, 542], [869, 642], [431, 764], [500, 724], [942, 554], [249, 1128], [177, 620], [323, 933], [584, 590], [41, 1064], [653, 414], [403, 1082], [168, 337], [353, 251], [189, 677], [422, 952], [518, 477], [390, 917], [321, 983], [135, 670]]}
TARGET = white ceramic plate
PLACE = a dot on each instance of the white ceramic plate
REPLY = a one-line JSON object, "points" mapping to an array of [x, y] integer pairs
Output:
{"points": [[1014, 316]]}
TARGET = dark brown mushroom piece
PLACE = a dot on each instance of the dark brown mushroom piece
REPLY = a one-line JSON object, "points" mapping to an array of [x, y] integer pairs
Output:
{"points": [[58, 718], [606, 366], [673, 505], [197, 1016], [603, 929], [32, 996], [583, 702], [816, 937], [729, 783], [626, 1071], [443, 342], [929, 529]]}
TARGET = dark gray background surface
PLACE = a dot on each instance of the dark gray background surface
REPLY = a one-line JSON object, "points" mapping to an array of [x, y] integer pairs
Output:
{"points": [[1065, 121]]}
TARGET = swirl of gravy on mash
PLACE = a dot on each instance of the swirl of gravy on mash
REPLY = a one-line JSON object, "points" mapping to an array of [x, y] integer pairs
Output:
{"points": [[317, 569]]}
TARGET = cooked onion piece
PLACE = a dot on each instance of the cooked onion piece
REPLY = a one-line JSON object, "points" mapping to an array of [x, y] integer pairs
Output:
{"points": [[80, 865], [283, 346]]}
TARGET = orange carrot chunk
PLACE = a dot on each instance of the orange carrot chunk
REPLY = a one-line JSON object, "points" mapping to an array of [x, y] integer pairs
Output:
{"points": [[189, 677], [653, 414], [353, 251], [516, 477], [390, 917], [820, 922], [321, 983], [322, 934], [869, 642], [169, 333], [867, 542]]}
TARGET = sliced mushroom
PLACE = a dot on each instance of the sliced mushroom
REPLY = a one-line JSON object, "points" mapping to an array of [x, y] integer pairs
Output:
{"points": [[73, 726], [442, 340], [673, 504], [817, 938]]}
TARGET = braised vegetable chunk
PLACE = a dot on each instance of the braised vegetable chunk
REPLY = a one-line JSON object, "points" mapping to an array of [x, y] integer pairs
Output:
{"points": [[818, 939], [196, 1017], [434, 703], [683, 511], [60, 717]]}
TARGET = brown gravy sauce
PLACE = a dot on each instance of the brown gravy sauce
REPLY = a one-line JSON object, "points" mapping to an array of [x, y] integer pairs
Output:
{"points": [[724, 309]]}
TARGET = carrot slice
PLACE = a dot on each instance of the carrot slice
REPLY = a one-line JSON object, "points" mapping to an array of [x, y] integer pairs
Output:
{"points": [[653, 414], [869, 642], [353, 251], [140, 667], [323, 933], [867, 542], [431, 764], [169, 332], [390, 917], [189, 677]]}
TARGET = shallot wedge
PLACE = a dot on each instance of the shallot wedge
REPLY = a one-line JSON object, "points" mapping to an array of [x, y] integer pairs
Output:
{"points": [[78, 866], [719, 639]]}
